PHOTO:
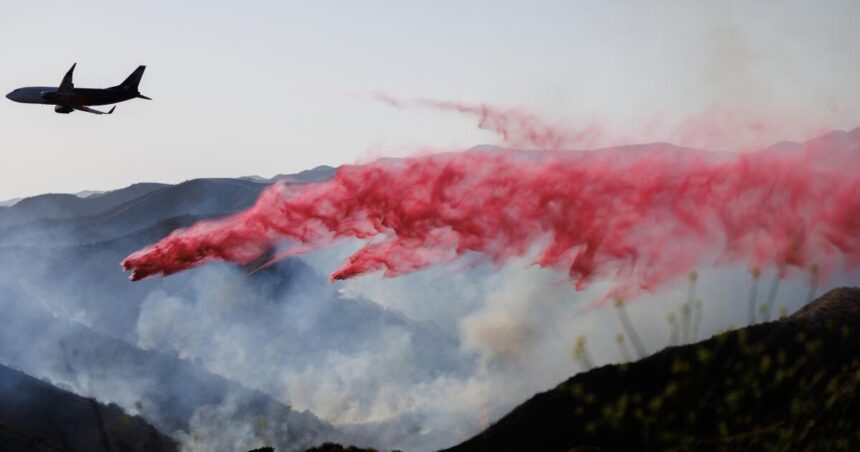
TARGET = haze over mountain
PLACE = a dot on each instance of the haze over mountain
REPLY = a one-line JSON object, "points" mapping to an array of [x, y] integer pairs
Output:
{"points": [[57, 206], [222, 360], [92, 331]]}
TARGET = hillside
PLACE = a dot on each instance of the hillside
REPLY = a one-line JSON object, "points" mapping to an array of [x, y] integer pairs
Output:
{"points": [[37, 416], [81, 320], [792, 384], [67, 205], [199, 197], [62, 219], [167, 390]]}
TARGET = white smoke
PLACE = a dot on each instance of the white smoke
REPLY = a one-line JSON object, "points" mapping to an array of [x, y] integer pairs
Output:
{"points": [[418, 362]]}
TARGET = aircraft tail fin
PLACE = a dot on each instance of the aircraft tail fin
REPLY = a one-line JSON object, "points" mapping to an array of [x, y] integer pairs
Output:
{"points": [[133, 80]]}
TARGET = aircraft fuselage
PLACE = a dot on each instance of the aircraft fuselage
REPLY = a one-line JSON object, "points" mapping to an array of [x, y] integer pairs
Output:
{"points": [[79, 96]]}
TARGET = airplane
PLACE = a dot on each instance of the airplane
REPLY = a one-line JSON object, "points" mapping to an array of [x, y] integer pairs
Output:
{"points": [[66, 98]]}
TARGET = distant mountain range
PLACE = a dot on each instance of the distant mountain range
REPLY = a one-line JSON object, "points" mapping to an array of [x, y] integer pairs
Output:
{"points": [[82, 194], [62, 201], [59, 206]]}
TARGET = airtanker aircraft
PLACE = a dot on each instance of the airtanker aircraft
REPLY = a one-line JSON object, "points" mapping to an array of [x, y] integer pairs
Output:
{"points": [[66, 98]]}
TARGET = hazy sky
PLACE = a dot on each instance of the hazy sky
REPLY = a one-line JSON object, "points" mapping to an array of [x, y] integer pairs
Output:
{"points": [[268, 87]]}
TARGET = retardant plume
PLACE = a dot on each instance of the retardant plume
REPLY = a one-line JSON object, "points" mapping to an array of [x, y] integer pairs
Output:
{"points": [[716, 127], [516, 127], [640, 215]]}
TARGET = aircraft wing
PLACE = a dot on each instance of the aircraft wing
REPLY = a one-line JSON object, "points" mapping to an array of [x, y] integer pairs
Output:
{"points": [[90, 110], [66, 86]]}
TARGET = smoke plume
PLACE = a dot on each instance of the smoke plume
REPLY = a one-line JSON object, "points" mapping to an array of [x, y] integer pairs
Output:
{"points": [[644, 216]]}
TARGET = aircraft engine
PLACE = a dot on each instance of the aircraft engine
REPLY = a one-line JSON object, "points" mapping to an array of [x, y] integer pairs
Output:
{"points": [[63, 110]]}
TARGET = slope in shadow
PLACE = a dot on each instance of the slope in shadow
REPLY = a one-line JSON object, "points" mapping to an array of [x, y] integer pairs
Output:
{"points": [[35, 415]]}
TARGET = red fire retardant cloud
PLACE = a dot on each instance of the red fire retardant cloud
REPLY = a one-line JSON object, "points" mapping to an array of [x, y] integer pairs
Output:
{"points": [[642, 215], [516, 127]]}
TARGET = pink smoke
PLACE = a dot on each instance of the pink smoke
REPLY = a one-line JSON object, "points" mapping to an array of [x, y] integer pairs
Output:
{"points": [[516, 127], [641, 215]]}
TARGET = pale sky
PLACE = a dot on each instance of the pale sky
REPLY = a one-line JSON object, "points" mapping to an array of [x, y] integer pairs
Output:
{"points": [[268, 87]]}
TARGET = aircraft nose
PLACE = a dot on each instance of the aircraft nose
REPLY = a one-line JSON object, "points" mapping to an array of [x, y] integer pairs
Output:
{"points": [[9, 96]]}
